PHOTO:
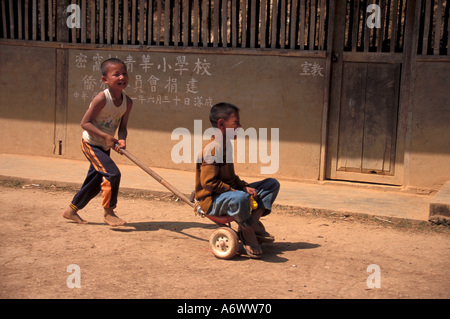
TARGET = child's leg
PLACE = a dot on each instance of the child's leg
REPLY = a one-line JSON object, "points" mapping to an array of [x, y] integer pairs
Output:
{"points": [[237, 204], [107, 174], [267, 191], [110, 181], [89, 189], [103, 175]]}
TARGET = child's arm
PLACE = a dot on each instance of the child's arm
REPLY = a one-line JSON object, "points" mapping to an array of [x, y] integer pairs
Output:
{"points": [[244, 186], [123, 132], [97, 104], [210, 181]]}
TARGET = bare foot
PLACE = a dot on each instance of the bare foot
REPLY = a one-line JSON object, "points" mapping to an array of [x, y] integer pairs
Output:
{"points": [[250, 242], [261, 233], [69, 213], [112, 219]]}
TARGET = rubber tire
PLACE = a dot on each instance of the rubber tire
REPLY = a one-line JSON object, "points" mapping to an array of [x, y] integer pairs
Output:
{"points": [[230, 243]]}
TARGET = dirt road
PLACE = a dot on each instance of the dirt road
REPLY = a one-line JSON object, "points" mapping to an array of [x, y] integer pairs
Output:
{"points": [[163, 252]]}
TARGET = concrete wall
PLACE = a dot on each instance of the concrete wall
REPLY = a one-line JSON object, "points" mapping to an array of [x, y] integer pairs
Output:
{"points": [[430, 138], [27, 100], [272, 91], [280, 92]]}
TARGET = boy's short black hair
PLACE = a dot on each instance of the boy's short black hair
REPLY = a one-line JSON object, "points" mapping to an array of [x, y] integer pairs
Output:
{"points": [[107, 63], [221, 111]]}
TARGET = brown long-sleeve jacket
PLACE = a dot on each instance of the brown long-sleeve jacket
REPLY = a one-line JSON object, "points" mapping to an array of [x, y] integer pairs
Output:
{"points": [[214, 176]]}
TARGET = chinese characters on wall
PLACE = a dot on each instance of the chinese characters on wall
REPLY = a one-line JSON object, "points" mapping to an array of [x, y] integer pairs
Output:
{"points": [[154, 79], [311, 69], [180, 80]]}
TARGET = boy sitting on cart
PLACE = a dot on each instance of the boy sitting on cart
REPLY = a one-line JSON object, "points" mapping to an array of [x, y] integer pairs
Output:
{"points": [[220, 191]]}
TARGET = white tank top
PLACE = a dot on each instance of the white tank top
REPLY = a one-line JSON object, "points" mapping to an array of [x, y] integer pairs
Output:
{"points": [[107, 121]]}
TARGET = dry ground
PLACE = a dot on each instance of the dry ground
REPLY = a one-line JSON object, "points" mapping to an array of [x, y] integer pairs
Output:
{"points": [[164, 252]]}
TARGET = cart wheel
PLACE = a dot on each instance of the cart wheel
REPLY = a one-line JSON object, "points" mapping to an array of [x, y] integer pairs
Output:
{"points": [[224, 243]]}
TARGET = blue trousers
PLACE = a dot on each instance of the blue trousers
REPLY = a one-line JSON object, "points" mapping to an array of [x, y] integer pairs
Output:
{"points": [[103, 175], [237, 203]]}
